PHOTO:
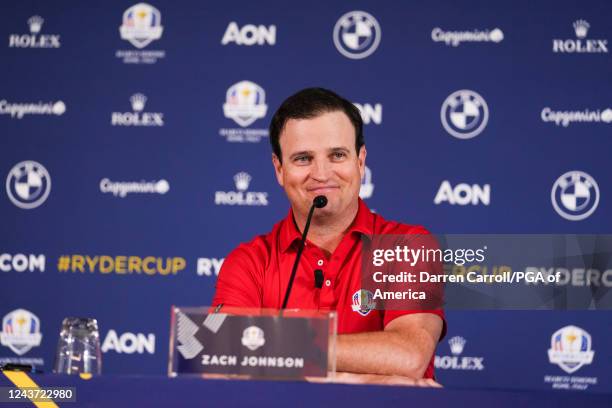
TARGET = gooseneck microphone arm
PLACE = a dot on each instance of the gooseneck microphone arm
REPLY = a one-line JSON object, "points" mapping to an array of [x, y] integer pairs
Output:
{"points": [[318, 202]]}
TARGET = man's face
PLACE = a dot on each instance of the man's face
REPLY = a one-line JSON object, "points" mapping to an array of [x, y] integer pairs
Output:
{"points": [[319, 158]]}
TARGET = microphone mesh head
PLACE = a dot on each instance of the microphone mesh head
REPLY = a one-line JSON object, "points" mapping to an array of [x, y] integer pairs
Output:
{"points": [[320, 201]]}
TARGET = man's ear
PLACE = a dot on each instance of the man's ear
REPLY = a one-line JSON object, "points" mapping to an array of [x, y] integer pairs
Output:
{"points": [[361, 160], [278, 169]]}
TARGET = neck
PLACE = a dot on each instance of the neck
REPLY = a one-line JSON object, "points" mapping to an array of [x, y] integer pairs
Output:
{"points": [[327, 231]]}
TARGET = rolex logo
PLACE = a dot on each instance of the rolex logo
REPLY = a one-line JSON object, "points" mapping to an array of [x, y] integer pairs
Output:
{"points": [[581, 44], [138, 102], [242, 181], [581, 27], [34, 39], [456, 344], [35, 23], [137, 117], [241, 196]]}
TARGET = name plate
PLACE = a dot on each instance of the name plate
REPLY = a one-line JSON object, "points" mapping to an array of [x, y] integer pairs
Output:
{"points": [[260, 343]]}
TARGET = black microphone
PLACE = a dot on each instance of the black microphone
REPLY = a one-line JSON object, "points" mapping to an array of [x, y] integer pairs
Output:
{"points": [[318, 202], [318, 278]]}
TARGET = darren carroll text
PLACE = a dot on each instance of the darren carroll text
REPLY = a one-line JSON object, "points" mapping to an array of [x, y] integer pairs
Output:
{"points": [[470, 277]]}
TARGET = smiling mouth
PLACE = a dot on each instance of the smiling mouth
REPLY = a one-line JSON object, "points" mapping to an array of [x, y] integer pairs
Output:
{"points": [[322, 189]]}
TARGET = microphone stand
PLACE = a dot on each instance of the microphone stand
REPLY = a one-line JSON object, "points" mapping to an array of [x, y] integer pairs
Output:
{"points": [[318, 202]]}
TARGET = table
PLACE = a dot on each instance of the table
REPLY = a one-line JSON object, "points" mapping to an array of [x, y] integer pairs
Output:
{"points": [[151, 391]]}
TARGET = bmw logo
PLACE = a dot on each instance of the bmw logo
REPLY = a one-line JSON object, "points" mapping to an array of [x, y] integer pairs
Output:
{"points": [[357, 34], [575, 195], [464, 114], [28, 184]]}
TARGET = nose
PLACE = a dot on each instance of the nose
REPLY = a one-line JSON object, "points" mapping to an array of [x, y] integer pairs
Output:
{"points": [[320, 170]]}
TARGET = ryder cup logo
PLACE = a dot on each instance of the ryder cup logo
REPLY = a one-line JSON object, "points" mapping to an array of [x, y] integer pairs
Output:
{"points": [[28, 184], [245, 102], [575, 195], [357, 34], [570, 348], [464, 114], [141, 25], [363, 302], [253, 338], [20, 331]]}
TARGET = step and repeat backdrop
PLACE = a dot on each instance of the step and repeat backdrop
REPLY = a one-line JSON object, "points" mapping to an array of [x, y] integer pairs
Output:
{"points": [[135, 156]]}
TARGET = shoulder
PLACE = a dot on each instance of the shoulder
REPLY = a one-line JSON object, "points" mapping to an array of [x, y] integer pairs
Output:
{"points": [[384, 226], [258, 250]]}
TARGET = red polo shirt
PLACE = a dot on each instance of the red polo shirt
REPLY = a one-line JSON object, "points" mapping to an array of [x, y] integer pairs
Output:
{"points": [[256, 274]]}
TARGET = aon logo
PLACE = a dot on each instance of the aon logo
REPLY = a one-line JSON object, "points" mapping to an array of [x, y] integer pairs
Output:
{"points": [[129, 343], [249, 34], [463, 194]]}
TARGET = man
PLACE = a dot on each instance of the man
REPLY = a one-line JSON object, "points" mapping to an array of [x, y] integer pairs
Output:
{"points": [[318, 149]]}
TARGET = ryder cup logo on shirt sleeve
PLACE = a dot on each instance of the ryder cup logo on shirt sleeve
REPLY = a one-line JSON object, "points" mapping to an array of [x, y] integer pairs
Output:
{"points": [[357, 34], [575, 195], [363, 302], [28, 184], [464, 114]]}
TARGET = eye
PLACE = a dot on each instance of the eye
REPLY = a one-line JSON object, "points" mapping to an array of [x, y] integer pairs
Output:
{"points": [[338, 155], [302, 159]]}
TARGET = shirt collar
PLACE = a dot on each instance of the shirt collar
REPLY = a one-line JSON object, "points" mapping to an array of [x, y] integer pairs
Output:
{"points": [[363, 223]]}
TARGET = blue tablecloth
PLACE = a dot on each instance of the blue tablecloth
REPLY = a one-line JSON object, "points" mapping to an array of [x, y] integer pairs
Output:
{"points": [[141, 391]]}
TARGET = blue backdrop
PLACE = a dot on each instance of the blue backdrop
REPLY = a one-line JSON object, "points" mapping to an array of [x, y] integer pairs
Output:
{"points": [[136, 156]]}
